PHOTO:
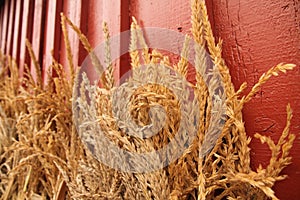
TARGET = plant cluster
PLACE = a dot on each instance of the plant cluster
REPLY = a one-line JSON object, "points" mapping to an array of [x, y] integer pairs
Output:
{"points": [[42, 155]]}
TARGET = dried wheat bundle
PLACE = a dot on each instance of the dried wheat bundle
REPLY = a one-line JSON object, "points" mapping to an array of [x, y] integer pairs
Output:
{"points": [[42, 155]]}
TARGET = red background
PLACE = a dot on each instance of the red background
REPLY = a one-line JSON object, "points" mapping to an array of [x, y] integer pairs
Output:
{"points": [[256, 36]]}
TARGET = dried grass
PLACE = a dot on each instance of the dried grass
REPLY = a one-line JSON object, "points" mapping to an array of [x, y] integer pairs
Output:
{"points": [[42, 156]]}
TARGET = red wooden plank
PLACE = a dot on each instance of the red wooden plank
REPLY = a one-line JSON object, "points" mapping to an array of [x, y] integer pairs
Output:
{"points": [[10, 28], [1, 25], [52, 34], [258, 35], [1, 22], [76, 18], [176, 15], [26, 33], [5, 23], [84, 24], [125, 25], [73, 10], [17, 32], [114, 24], [91, 25], [37, 40], [49, 32]]}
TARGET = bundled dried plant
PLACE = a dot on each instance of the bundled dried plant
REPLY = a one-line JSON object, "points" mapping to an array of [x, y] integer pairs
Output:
{"points": [[42, 155]]}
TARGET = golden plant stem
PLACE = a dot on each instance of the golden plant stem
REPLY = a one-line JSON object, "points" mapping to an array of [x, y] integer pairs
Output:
{"points": [[141, 39], [182, 65], [68, 48], [266, 76], [108, 61], [133, 52], [216, 52], [197, 24], [96, 62], [35, 64]]}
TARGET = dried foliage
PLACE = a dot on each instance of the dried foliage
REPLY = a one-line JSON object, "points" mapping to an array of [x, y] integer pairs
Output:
{"points": [[42, 156]]}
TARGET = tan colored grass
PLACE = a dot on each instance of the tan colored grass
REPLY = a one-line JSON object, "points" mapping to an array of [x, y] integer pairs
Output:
{"points": [[43, 157], [68, 49], [108, 61], [182, 66]]}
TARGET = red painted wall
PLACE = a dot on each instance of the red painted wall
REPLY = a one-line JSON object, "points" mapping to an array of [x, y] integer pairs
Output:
{"points": [[257, 35]]}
